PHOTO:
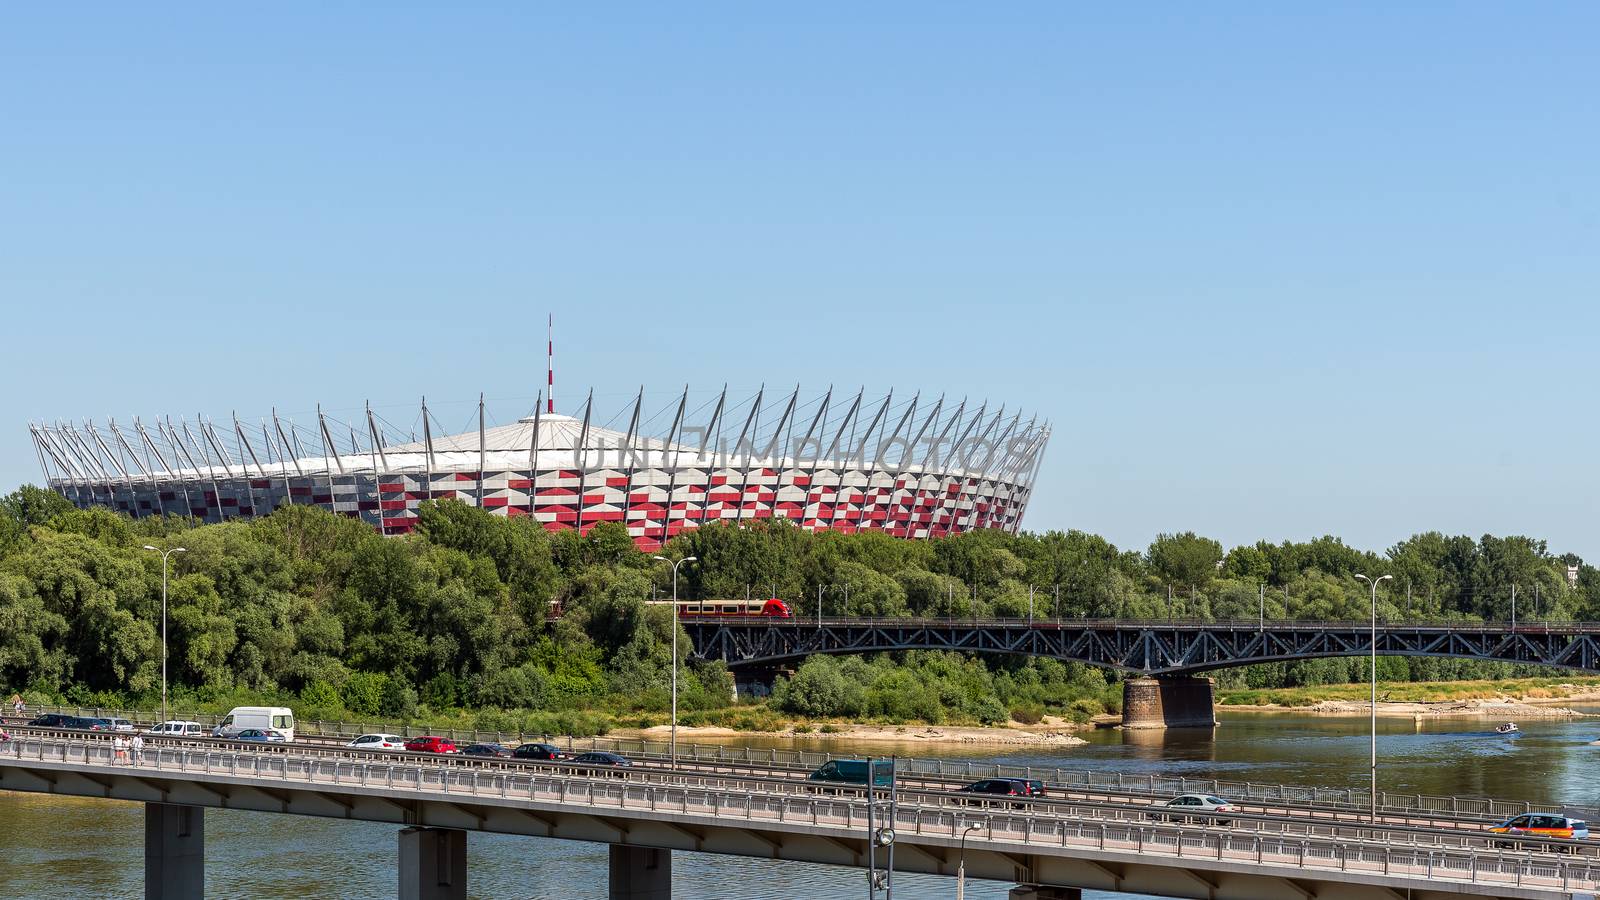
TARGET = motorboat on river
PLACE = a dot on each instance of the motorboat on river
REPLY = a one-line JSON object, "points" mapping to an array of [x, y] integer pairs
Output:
{"points": [[1507, 728]]}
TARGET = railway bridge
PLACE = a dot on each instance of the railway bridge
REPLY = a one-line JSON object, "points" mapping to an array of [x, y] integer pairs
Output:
{"points": [[1168, 656]]}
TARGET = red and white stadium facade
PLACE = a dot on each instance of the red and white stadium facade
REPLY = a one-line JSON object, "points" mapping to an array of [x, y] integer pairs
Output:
{"points": [[908, 467]]}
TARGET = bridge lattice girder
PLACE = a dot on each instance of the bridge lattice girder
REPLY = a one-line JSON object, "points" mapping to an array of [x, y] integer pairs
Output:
{"points": [[1149, 648]]}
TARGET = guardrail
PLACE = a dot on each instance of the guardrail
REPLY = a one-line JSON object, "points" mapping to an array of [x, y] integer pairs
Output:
{"points": [[779, 778], [1060, 777], [1083, 827], [1539, 626]]}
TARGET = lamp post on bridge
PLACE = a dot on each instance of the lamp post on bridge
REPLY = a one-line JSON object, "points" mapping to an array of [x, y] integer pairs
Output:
{"points": [[164, 555], [1374, 584], [961, 861], [672, 745]]}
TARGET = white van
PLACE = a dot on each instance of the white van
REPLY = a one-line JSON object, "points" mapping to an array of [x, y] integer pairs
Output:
{"points": [[178, 728], [278, 718]]}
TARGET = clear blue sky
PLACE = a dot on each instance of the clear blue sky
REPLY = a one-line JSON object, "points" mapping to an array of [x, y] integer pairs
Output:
{"points": [[1273, 271]]}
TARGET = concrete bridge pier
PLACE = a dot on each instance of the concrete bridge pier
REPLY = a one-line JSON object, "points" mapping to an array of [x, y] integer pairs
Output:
{"points": [[1042, 892], [1168, 701], [174, 851], [433, 864], [754, 683], [640, 873]]}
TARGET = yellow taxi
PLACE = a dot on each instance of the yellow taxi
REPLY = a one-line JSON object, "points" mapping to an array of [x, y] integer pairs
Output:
{"points": [[1543, 825]]}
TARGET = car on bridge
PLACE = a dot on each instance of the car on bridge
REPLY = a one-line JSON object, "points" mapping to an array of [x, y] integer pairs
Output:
{"points": [[854, 771], [74, 723], [274, 718], [1542, 825], [539, 752], [177, 728], [378, 742], [1200, 808], [262, 736], [603, 758], [1027, 788], [495, 750], [429, 743]]}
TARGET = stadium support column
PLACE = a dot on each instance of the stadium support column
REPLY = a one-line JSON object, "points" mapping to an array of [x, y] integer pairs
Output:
{"points": [[715, 426], [284, 452], [580, 455], [533, 459], [427, 444], [174, 851], [1169, 701], [628, 459], [433, 864], [672, 467], [640, 873], [746, 438]]}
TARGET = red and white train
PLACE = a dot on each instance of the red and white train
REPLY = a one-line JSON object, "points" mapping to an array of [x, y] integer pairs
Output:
{"points": [[771, 608]]}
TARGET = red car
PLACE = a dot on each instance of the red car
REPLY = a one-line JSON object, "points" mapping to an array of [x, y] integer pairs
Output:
{"points": [[431, 744]]}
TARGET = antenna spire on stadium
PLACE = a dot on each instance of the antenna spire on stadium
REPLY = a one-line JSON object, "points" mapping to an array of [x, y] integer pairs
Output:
{"points": [[550, 364]]}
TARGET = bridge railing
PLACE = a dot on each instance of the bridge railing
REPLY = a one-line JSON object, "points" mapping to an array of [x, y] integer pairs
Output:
{"points": [[1417, 855], [1539, 626], [947, 769]]}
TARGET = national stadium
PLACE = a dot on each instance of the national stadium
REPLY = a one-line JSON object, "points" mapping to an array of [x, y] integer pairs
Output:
{"points": [[825, 461]]}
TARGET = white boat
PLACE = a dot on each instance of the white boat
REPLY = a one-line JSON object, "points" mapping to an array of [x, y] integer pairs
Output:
{"points": [[1507, 728]]}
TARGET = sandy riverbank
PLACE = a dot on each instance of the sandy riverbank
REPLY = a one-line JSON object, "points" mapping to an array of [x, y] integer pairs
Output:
{"points": [[1503, 708], [1046, 734]]}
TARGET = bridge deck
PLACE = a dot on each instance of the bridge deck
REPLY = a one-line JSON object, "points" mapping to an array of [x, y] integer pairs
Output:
{"points": [[1106, 845]]}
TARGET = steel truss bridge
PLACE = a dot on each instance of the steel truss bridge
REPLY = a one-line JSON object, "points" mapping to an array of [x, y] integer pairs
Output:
{"points": [[1149, 647]]}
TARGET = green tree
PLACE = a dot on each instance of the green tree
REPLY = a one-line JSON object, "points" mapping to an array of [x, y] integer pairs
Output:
{"points": [[1185, 560]]}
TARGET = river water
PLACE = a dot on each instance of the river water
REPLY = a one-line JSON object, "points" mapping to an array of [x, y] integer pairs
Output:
{"points": [[58, 847]]}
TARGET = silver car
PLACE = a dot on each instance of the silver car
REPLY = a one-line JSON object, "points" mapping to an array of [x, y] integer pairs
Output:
{"points": [[378, 742], [1202, 808], [178, 728], [122, 725]]}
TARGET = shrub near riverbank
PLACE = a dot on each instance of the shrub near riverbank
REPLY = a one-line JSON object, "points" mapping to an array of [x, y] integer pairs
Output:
{"points": [[944, 688], [1555, 688]]}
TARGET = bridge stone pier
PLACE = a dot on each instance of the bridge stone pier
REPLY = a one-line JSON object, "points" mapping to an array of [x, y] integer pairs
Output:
{"points": [[1168, 701], [433, 864], [1041, 892], [174, 851], [640, 873]]}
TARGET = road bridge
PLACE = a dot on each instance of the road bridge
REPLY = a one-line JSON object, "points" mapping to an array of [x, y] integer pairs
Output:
{"points": [[934, 773], [645, 813]]}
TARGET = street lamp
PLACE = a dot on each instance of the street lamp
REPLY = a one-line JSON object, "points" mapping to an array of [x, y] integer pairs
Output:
{"points": [[164, 555], [1374, 584], [961, 861], [672, 751]]}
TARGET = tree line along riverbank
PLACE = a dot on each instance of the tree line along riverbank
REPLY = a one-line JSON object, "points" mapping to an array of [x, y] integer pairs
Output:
{"points": [[450, 625]]}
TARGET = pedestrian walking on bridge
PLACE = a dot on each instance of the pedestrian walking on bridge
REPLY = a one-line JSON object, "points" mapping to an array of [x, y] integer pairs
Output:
{"points": [[138, 749]]}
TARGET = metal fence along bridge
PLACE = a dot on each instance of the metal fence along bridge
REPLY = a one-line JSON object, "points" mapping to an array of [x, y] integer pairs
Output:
{"points": [[1093, 831]]}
